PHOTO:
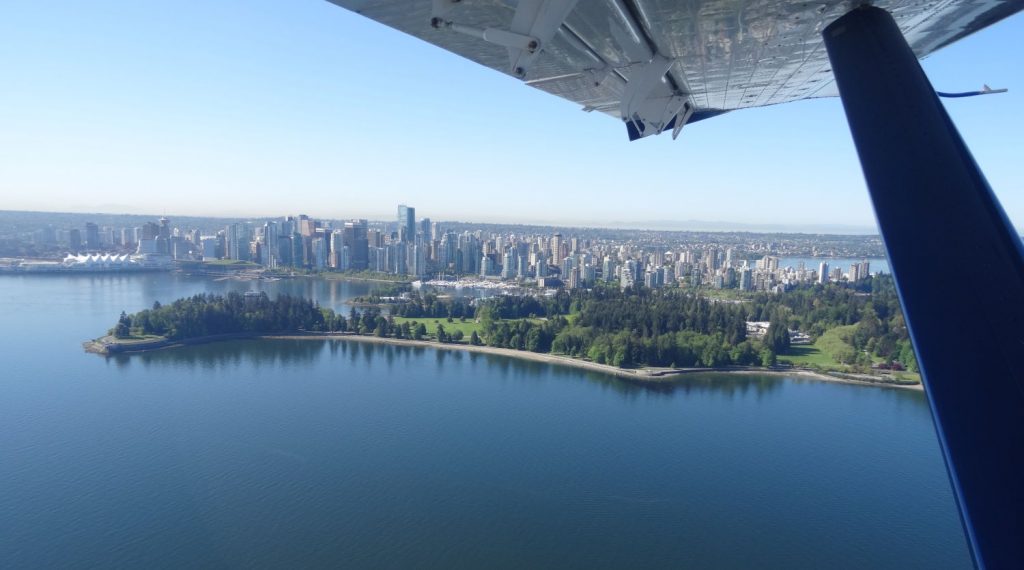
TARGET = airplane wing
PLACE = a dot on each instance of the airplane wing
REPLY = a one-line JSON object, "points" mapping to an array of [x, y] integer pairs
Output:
{"points": [[660, 64]]}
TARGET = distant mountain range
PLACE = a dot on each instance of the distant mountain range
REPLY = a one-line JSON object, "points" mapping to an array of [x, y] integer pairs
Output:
{"points": [[12, 218], [721, 226]]}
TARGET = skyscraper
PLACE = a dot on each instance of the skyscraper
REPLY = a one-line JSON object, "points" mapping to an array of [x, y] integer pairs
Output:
{"points": [[608, 268], [746, 284], [508, 264], [271, 257], [355, 237], [375, 238], [406, 223], [92, 236], [163, 238], [417, 260], [232, 235], [336, 243], [320, 249], [556, 246]]}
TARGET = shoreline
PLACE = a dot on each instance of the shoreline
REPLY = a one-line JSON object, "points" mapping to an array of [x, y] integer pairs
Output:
{"points": [[344, 277], [106, 347]]}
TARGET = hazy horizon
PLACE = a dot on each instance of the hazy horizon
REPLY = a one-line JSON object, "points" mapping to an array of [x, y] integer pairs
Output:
{"points": [[638, 225]]}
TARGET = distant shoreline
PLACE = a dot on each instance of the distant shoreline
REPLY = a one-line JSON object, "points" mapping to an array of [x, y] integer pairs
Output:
{"points": [[108, 346]]}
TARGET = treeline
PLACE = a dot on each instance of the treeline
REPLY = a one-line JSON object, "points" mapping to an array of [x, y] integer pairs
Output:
{"points": [[671, 327], [627, 328], [871, 304], [534, 335], [384, 293], [205, 314], [527, 306], [371, 321], [663, 327], [431, 306], [679, 349], [635, 327]]}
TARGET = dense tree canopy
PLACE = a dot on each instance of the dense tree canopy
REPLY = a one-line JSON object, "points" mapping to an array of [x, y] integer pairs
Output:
{"points": [[632, 327], [203, 315], [432, 306]]}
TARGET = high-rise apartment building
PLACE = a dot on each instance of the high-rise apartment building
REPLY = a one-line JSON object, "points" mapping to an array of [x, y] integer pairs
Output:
{"points": [[232, 239], [355, 237], [406, 223], [92, 236]]}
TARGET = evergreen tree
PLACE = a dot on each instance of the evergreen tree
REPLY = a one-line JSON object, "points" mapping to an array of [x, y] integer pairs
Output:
{"points": [[123, 327]]}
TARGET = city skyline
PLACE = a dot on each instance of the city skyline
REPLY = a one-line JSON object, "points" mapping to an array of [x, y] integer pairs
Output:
{"points": [[268, 108], [507, 257]]}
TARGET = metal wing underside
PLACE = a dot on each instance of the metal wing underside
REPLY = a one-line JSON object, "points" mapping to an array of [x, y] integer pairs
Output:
{"points": [[658, 64]]}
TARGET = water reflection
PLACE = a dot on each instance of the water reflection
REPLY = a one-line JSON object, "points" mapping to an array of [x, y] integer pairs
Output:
{"points": [[284, 352], [167, 287], [228, 354]]}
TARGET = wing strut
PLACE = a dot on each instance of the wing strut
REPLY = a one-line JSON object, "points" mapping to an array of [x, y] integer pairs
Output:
{"points": [[934, 206]]}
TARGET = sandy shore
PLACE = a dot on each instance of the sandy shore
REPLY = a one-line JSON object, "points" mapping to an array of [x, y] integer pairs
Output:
{"points": [[108, 345]]}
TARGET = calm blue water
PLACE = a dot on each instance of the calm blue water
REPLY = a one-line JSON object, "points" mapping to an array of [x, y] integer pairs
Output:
{"points": [[327, 454], [877, 264]]}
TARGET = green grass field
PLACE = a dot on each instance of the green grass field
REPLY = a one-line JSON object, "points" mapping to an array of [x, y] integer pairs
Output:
{"points": [[431, 323], [807, 355], [822, 353], [467, 327], [727, 294], [912, 377]]}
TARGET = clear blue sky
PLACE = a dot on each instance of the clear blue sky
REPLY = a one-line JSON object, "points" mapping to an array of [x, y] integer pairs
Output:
{"points": [[268, 107]]}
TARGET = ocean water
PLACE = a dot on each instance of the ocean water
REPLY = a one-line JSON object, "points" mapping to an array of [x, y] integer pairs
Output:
{"points": [[326, 453], [877, 265]]}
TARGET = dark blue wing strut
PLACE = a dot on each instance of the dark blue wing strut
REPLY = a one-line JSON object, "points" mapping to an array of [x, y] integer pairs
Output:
{"points": [[934, 207]]}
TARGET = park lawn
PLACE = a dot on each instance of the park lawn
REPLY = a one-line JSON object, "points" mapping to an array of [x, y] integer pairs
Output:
{"points": [[431, 323], [908, 376], [807, 355], [727, 294], [467, 327], [822, 352]]}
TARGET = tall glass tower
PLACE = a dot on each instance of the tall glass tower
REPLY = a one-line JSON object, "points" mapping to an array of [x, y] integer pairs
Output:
{"points": [[406, 223]]}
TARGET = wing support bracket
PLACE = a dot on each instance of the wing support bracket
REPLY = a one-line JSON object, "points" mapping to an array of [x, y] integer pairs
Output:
{"points": [[644, 110], [510, 40], [533, 25]]}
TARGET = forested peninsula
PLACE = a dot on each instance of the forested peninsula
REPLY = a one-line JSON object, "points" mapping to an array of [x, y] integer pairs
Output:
{"points": [[852, 328]]}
